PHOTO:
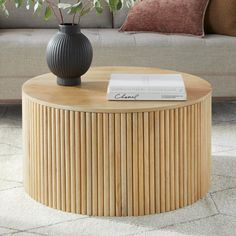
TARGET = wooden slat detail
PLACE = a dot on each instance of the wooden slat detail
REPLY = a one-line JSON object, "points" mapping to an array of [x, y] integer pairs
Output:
{"points": [[106, 165], [152, 161], [112, 163], [176, 159], [100, 166], [167, 158], [192, 156], [40, 190], [162, 161], [77, 163], [34, 161], [48, 158], [94, 165], [89, 162], [181, 157], [185, 155], [83, 165], [141, 163], [72, 166], [199, 149], [54, 174], [203, 149], [172, 161], [62, 146], [58, 159], [135, 165], [146, 163], [129, 165], [124, 208], [188, 160], [157, 163], [117, 164]]}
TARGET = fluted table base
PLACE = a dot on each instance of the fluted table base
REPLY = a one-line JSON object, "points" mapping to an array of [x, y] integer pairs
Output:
{"points": [[117, 164]]}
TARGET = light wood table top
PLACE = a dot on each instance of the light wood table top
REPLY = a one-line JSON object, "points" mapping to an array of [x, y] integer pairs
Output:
{"points": [[90, 96]]}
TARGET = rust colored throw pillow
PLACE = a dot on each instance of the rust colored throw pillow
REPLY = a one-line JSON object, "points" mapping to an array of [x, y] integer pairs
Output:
{"points": [[221, 17], [167, 16]]}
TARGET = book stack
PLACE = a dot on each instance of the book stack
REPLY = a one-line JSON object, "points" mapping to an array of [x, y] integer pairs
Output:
{"points": [[146, 87]]}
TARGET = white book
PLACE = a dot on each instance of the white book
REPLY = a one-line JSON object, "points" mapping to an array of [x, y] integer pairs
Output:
{"points": [[146, 87]]}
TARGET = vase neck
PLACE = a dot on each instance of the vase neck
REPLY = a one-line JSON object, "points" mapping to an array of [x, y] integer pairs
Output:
{"points": [[69, 29]]}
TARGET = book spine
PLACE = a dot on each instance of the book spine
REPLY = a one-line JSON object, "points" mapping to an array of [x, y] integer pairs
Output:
{"points": [[145, 89], [121, 96]]}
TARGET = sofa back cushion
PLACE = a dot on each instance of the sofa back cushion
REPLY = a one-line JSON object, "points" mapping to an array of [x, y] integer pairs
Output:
{"points": [[171, 17], [22, 18], [221, 17]]}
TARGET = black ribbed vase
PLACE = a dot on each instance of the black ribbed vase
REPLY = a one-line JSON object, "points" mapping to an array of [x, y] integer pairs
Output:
{"points": [[69, 55]]}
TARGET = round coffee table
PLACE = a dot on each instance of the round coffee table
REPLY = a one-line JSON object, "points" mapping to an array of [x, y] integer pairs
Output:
{"points": [[91, 156]]}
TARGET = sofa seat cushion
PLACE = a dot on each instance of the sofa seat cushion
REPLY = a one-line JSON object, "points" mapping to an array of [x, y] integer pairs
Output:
{"points": [[22, 53]]}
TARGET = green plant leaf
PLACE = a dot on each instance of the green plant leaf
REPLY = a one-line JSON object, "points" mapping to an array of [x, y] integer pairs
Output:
{"points": [[38, 7], [5, 11], [113, 4], [18, 3], [29, 3], [47, 13], [98, 6], [76, 8], [85, 11], [2, 2], [63, 5], [130, 3], [3, 7], [119, 5]]}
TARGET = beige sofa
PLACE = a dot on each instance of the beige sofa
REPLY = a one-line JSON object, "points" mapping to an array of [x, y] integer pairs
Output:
{"points": [[23, 41]]}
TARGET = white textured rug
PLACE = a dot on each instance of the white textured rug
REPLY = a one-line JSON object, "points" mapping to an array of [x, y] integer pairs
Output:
{"points": [[213, 215]]}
